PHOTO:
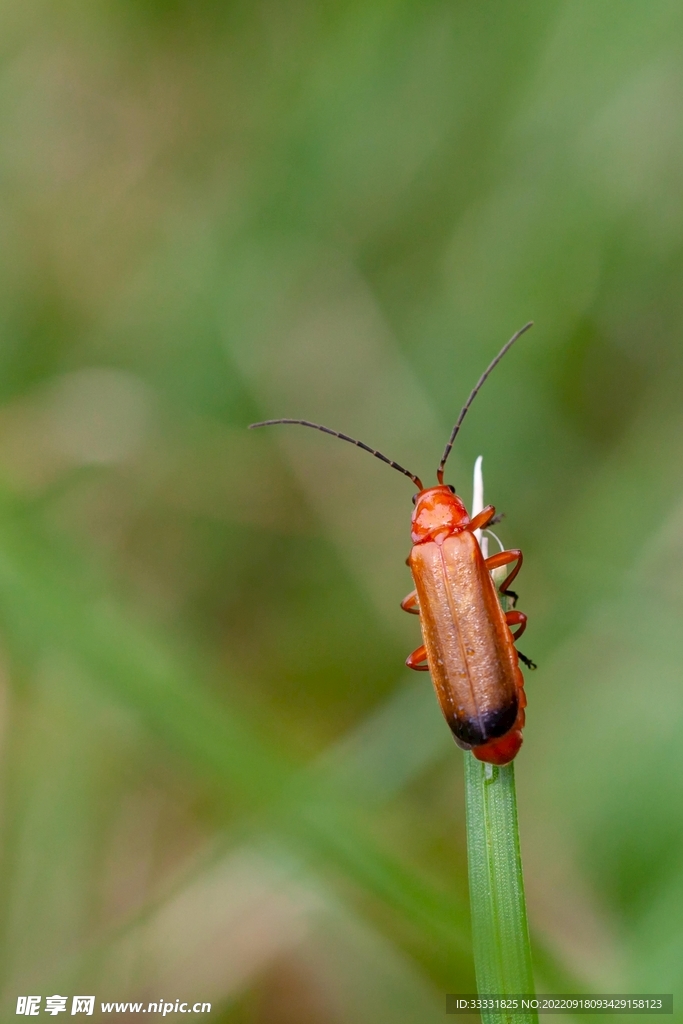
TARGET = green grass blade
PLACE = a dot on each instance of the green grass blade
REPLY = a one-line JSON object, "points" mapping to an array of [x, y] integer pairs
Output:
{"points": [[500, 931]]}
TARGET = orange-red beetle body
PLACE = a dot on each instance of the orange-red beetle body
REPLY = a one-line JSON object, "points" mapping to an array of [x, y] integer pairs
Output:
{"points": [[469, 647], [467, 639]]}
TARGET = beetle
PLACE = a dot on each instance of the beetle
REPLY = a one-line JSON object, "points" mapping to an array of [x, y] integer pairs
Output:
{"points": [[468, 641]]}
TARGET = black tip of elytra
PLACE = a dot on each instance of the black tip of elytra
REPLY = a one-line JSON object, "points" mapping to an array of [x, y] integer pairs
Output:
{"points": [[489, 725]]}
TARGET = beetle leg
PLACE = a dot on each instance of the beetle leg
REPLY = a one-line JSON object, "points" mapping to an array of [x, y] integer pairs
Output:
{"points": [[415, 660], [409, 603], [482, 519], [516, 619], [505, 558], [519, 618]]}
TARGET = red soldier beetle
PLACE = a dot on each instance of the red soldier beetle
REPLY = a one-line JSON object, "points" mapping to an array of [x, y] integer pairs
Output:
{"points": [[469, 645]]}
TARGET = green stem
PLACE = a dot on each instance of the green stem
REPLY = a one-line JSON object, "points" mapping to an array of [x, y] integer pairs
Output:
{"points": [[500, 932]]}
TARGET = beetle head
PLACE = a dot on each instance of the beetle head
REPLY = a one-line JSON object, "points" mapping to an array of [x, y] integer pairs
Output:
{"points": [[438, 513]]}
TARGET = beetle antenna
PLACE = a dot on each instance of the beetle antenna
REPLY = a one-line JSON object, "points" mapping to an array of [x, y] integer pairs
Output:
{"points": [[468, 403], [344, 437]]}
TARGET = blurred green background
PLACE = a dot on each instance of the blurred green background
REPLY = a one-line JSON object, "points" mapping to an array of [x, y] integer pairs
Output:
{"points": [[218, 780]]}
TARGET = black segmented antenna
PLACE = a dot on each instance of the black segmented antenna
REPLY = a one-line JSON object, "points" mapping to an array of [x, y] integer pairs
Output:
{"points": [[468, 403], [344, 437]]}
